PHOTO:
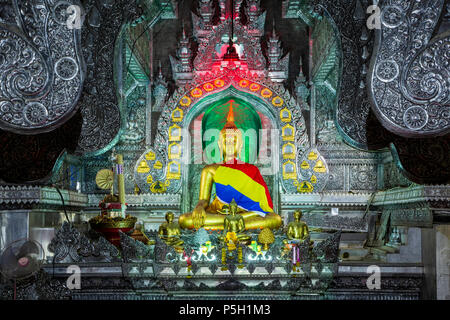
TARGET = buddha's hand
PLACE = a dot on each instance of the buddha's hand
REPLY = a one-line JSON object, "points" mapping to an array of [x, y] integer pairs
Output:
{"points": [[198, 216]]}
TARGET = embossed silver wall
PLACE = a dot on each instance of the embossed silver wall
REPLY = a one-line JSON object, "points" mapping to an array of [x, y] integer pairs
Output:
{"points": [[41, 67], [410, 71]]}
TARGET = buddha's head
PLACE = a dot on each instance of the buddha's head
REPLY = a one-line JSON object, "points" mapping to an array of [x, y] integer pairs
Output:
{"points": [[230, 138], [297, 215], [233, 207], [169, 217]]}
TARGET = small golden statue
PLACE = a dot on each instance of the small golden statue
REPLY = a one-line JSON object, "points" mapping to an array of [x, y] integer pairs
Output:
{"points": [[234, 223], [170, 233], [136, 189], [233, 179], [233, 228], [297, 230]]}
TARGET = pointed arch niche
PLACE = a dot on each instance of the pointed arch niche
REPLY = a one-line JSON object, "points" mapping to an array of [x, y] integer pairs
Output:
{"points": [[268, 156]]}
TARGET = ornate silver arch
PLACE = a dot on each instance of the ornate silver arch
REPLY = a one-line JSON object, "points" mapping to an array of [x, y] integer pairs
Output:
{"points": [[274, 97], [41, 66], [410, 74], [407, 85]]}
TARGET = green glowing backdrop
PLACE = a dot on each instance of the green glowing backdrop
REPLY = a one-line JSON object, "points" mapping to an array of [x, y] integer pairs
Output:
{"points": [[246, 119]]}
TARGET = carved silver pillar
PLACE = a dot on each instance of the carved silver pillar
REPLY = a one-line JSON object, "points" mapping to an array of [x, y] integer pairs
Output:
{"points": [[149, 100], [148, 115], [312, 114], [312, 109]]}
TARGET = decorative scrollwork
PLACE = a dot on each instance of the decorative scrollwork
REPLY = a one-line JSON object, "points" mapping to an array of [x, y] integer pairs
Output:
{"points": [[410, 75], [387, 70], [7, 14], [328, 250], [392, 16], [133, 249], [40, 69], [70, 245], [415, 117], [66, 68]]}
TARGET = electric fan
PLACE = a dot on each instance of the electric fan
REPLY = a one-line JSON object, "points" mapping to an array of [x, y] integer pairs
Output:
{"points": [[21, 260]]}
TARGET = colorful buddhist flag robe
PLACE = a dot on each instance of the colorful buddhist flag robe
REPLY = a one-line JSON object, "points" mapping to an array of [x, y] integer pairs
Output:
{"points": [[243, 183]]}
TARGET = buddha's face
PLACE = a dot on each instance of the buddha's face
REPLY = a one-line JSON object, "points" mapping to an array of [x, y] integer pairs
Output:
{"points": [[230, 143], [169, 217], [233, 208], [297, 215]]}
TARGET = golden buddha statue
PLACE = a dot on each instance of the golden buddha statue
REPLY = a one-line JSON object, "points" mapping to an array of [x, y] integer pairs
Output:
{"points": [[169, 231], [233, 180], [234, 223], [297, 230]]}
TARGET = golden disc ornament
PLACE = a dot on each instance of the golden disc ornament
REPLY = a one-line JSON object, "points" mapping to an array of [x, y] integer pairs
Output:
{"points": [[104, 179]]}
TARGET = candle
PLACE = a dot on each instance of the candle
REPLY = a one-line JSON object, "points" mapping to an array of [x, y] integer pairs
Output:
{"points": [[121, 182], [293, 254]]}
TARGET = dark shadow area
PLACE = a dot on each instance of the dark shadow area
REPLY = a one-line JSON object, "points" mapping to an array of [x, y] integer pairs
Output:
{"points": [[30, 158], [424, 161]]}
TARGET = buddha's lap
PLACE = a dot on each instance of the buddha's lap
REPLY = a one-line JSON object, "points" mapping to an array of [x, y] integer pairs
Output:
{"points": [[246, 215]]}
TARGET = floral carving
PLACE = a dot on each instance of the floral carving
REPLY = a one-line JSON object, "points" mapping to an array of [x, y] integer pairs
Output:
{"points": [[410, 79], [40, 69]]}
